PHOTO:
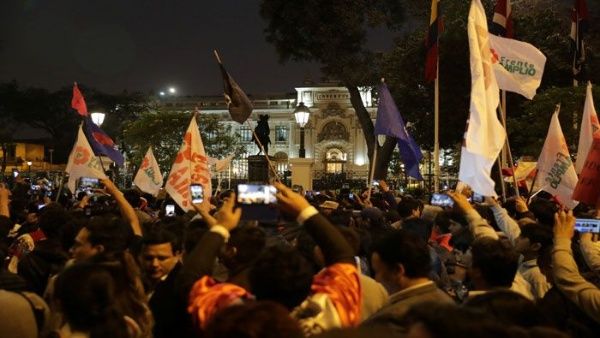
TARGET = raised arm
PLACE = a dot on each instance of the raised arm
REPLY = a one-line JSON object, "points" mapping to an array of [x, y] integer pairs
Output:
{"points": [[566, 274], [508, 225], [334, 246], [126, 209], [478, 225]]}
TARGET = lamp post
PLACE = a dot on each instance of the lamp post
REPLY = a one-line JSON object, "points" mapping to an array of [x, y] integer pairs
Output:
{"points": [[301, 114], [29, 163], [98, 118]]}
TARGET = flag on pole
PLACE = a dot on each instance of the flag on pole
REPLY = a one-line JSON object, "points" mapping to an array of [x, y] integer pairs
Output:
{"points": [[556, 172], [101, 142], [238, 103], [190, 167], [148, 178], [78, 102], [82, 162], [485, 136], [220, 164], [389, 122], [518, 66], [589, 126], [587, 190], [436, 27], [579, 26], [502, 24]]}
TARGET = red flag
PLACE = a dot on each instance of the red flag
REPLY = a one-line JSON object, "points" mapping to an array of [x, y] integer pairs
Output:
{"points": [[587, 190], [78, 102], [436, 27]]}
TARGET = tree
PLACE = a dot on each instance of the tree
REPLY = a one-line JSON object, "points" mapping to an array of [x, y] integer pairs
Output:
{"points": [[218, 138]]}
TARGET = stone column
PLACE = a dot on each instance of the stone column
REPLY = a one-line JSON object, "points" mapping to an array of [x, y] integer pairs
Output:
{"points": [[302, 172]]}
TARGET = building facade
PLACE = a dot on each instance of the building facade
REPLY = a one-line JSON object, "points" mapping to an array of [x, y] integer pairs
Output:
{"points": [[334, 139]]}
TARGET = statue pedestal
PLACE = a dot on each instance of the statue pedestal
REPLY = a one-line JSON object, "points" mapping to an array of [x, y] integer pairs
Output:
{"points": [[302, 172], [258, 168]]}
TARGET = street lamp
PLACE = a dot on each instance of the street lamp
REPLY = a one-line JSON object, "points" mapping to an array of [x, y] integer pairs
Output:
{"points": [[172, 90], [98, 118], [302, 113], [29, 163]]}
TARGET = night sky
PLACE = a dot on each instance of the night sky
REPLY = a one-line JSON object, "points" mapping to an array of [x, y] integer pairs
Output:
{"points": [[145, 45]]}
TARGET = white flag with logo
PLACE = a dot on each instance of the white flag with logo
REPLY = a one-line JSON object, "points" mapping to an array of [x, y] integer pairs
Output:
{"points": [[190, 167], [556, 173], [589, 126], [518, 66], [148, 178], [82, 162], [485, 135]]}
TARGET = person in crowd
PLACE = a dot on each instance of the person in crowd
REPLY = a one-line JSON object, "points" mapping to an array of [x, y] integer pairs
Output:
{"points": [[161, 253], [402, 263], [408, 208], [566, 274], [528, 240], [23, 315]]}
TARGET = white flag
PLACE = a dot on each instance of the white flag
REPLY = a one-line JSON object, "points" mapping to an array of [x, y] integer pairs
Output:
{"points": [[82, 162], [485, 135], [556, 173], [518, 66], [148, 178], [190, 167], [589, 126]]}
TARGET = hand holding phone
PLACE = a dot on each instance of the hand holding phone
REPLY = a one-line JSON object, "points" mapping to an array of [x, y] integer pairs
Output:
{"points": [[441, 200], [196, 193], [584, 225], [170, 210]]}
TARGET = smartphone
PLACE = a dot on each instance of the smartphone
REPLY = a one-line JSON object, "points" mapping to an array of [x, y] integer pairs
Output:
{"points": [[41, 206], [346, 186], [15, 173], [587, 225], [170, 210], [197, 193], [88, 184], [249, 194], [351, 196], [477, 198], [375, 183], [441, 200]]}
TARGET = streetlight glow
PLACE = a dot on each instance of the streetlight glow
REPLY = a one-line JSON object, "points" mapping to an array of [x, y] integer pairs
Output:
{"points": [[172, 90], [98, 118]]}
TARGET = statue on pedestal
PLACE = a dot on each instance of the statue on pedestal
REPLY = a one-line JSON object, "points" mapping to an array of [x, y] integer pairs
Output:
{"points": [[262, 132]]}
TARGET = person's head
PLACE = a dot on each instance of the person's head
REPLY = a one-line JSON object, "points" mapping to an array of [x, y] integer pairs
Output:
{"points": [[450, 222], [160, 253], [494, 264], [543, 210], [244, 246], [87, 297], [102, 234], [281, 274], [534, 238], [53, 219], [409, 207], [262, 319], [507, 307], [399, 258], [419, 227], [134, 197]]}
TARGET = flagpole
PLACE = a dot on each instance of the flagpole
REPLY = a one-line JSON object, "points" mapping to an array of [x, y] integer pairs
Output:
{"points": [[499, 162], [509, 153], [436, 145], [372, 173]]}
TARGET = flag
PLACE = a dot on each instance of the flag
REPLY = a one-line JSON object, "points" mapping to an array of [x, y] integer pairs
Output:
{"points": [[389, 122], [220, 164], [502, 24], [238, 103], [589, 126], [579, 26], [518, 66], [587, 190], [82, 162], [148, 178], [101, 142], [436, 27], [190, 167], [485, 136], [556, 172], [78, 102]]}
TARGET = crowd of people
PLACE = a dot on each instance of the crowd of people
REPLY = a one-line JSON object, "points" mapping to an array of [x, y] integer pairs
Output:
{"points": [[112, 263]]}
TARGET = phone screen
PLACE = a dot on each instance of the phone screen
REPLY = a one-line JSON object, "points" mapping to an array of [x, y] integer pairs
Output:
{"points": [[587, 225], [249, 194], [170, 210], [441, 200], [477, 198], [88, 184], [196, 193]]}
